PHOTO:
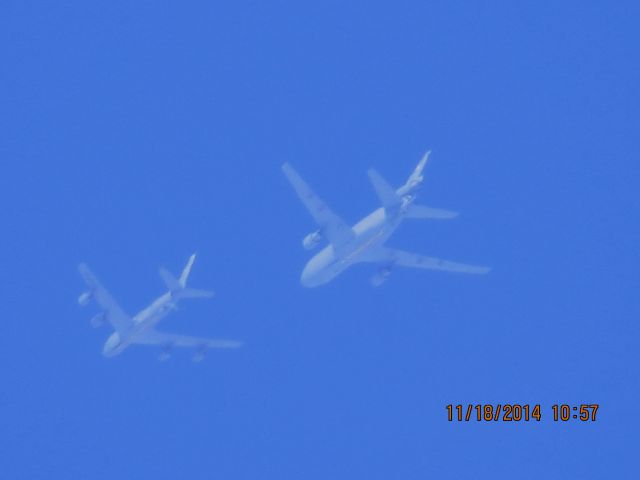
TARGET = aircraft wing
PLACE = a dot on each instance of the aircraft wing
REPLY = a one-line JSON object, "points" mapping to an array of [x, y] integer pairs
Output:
{"points": [[154, 337], [120, 321], [331, 225], [414, 260]]}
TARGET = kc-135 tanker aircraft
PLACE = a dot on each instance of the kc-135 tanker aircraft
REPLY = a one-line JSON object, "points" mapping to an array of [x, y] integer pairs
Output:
{"points": [[140, 329], [364, 242]]}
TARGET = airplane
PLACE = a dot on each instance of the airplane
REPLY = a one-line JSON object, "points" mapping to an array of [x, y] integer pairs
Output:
{"points": [[140, 329], [364, 242]]}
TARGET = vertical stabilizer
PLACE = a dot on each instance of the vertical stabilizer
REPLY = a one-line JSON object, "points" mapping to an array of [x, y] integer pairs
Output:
{"points": [[178, 286], [187, 270], [416, 178]]}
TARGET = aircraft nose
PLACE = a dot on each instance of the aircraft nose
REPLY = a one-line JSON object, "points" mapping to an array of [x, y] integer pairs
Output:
{"points": [[305, 278], [309, 277]]}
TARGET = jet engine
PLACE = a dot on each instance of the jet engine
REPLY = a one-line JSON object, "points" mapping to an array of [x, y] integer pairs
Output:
{"points": [[312, 240], [381, 276], [98, 320], [199, 355], [165, 354], [84, 298]]}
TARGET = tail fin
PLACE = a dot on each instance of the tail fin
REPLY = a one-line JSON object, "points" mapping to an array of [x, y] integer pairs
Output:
{"points": [[187, 270], [178, 286], [421, 211], [385, 192], [416, 178]]}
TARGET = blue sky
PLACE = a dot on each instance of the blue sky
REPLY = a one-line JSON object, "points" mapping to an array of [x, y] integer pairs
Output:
{"points": [[133, 135]]}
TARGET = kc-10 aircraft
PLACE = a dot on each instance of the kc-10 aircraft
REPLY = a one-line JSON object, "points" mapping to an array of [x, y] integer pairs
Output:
{"points": [[364, 242], [140, 329]]}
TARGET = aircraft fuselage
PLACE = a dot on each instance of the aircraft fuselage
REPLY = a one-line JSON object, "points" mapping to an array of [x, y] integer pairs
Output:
{"points": [[370, 233], [142, 322]]}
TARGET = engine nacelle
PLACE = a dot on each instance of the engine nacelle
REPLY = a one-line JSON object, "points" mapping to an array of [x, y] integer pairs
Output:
{"points": [[381, 277], [165, 354], [312, 240], [200, 354], [98, 320], [84, 298]]}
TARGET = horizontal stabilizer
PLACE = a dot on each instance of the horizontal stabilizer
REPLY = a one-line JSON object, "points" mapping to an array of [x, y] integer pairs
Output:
{"points": [[385, 192], [420, 211], [169, 280], [195, 293]]}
